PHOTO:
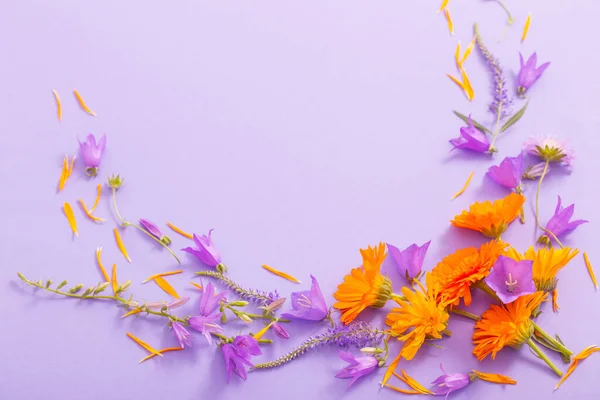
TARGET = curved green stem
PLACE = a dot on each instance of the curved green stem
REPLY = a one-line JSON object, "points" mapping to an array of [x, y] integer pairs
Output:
{"points": [[511, 20], [114, 196], [544, 357], [555, 343], [465, 314], [537, 205], [496, 130]]}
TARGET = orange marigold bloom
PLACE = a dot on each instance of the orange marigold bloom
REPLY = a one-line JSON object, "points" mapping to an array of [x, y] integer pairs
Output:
{"points": [[456, 273], [546, 264], [505, 325], [365, 286], [419, 317], [489, 218]]}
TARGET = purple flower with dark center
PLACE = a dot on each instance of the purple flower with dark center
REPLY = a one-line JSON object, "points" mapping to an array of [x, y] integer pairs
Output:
{"points": [[309, 304], [280, 330], [448, 383], [471, 139], [92, 153], [529, 74], [511, 279], [182, 334], [205, 323], [410, 260], [357, 366], [238, 354], [560, 223], [508, 173], [206, 251], [154, 231]]}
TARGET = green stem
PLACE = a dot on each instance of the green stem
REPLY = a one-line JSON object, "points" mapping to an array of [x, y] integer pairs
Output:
{"points": [[518, 190], [114, 196], [537, 205], [544, 357], [496, 130], [397, 297], [465, 314], [511, 20], [559, 346]]}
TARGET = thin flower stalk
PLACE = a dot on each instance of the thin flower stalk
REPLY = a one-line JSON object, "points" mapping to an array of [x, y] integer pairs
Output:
{"points": [[543, 357]]}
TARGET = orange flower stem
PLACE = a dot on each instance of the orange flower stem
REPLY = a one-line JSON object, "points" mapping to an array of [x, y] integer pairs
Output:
{"points": [[537, 205], [465, 314], [558, 346], [544, 357]]}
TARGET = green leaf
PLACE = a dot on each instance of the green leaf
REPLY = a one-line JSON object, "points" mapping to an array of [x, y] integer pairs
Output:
{"points": [[513, 120], [475, 123]]}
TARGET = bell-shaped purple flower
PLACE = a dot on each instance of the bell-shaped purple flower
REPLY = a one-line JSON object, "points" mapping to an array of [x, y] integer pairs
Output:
{"points": [[206, 250], [511, 279], [280, 330], [182, 334], [238, 354], [560, 223], [205, 323], [471, 138], [309, 304], [508, 173], [91, 153], [529, 74], [448, 383], [357, 366], [154, 231], [410, 260]]}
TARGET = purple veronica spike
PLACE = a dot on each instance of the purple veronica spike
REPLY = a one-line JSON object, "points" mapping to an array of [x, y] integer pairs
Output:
{"points": [[205, 323], [560, 223], [410, 260], [206, 250], [529, 74], [308, 305], [448, 383], [508, 173], [357, 366], [91, 153], [511, 279], [471, 139], [182, 334], [280, 331]]}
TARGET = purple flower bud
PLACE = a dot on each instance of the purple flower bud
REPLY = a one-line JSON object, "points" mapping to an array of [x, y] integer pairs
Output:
{"points": [[280, 331], [156, 305], [528, 74], [154, 231], [448, 383], [91, 153], [178, 302], [471, 139], [511, 279], [182, 334], [357, 366], [560, 223], [206, 250], [508, 173], [410, 260]]}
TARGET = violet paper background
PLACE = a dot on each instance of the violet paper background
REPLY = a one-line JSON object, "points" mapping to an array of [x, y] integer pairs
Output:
{"points": [[300, 132]]}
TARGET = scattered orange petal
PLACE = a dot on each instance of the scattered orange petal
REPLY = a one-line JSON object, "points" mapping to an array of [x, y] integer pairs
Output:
{"points": [[82, 103], [63, 174], [390, 369], [182, 233], [555, 306], [588, 265], [88, 213], [443, 6], [149, 356], [449, 19], [281, 274], [412, 383], [70, 217], [495, 378], [464, 188], [58, 105], [162, 274], [132, 312], [70, 171], [166, 286], [457, 81], [115, 284], [196, 285], [120, 244], [97, 198], [579, 357], [403, 391], [526, 28], [144, 344], [100, 265], [264, 330], [468, 88], [468, 51], [457, 55]]}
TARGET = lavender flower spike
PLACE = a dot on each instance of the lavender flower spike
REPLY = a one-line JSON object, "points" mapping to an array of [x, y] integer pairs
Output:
{"points": [[357, 367], [154, 231], [206, 251], [508, 173], [448, 383], [529, 74], [91, 153], [410, 260], [308, 305], [471, 139], [205, 323], [511, 279], [560, 223], [182, 334], [237, 355]]}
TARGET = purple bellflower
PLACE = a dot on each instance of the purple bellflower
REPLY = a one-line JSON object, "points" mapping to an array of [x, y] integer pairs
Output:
{"points": [[550, 149], [309, 304], [448, 383], [409, 261], [471, 138], [182, 334], [560, 223], [154, 231], [91, 153], [238, 354], [205, 323], [529, 74], [511, 279], [206, 251], [357, 366], [508, 173], [280, 331]]}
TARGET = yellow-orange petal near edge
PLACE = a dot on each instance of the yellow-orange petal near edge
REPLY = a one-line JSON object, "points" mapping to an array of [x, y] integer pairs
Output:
{"points": [[70, 217], [390, 369], [100, 265], [443, 6], [468, 51], [465, 186], [132, 312], [555, 306], [120, 244], [449, 19], [168, 273], [495, 378], [526, 28], [58, 105], [467, 83], [82, 103], [590, 270], [457, 55], [113, 281], [149, 356], [182, 233], [585, 353], [99, 193], [412, 383], [166, 286], [403, 391], [281, 274], [144, 344], [89, 214], [196, 285]]}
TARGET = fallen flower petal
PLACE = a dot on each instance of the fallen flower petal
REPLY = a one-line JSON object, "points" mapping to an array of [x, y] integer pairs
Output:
{"points": [[120, 244], [166, 286], [144, 345], [88, 213], [82, 103], [468, 51], [467, 83], [182, 233], [58, 105], [281, 274], [449, 19], [466, 185], [99, 193], [196, 285], [579, 357], [526, 28], [588, 265], [168, 273], [262, 332], [397, 389], [168, 349], [70, 217], [412, 383], [555, 307], [443, 6], [132, 312], [457, 81], [391, 368], [495, 378], [100, 265], [115, 284]]}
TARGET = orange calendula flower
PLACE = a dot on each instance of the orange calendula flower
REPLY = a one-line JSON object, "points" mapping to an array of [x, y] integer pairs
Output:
{"points": [[365, 286], [457, 272], [588, 351], [489, 218], [418, 318], [506, 325]]}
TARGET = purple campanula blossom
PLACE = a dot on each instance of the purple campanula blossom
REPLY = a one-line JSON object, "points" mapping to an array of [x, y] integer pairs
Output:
{"points": [[154, 231], [206, 250], [508, 173], [280, 331], [182, 334], [560, 223], [238, 354], [471, 139], [511, 279], [448, 383], [91, 153], [550, 149], [309, 304], [205, 323], [410, 260], [529, 74], [357, 366]]}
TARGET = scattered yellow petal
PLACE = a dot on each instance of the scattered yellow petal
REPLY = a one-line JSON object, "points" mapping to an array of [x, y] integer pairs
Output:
{"points": [[58, 105], [120, 244], [144, 344], [82, 103], [404, 391], [70, 217], [468, 51], [555, 306], [457, 55], [264, 330], [579, 357], [100, 265], [449, 19], [495, 378], [455, 80], [196, 285], [390, 369], [182, 233], [71, 165], [166, 286], [526, 28], [588, 265], [178, 271], [464, 188], [412, 383], [113, 281], [467, 83], [443, 6], [99, 190], [132, 312], [88, 213], [160, 351], [281, 274], [63, 174]]}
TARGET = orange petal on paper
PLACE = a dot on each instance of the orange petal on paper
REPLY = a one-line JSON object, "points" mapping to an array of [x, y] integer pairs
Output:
{"points": [[412, 383], [495, 378], [390, 369], [585, 353], [132, 312], [555, 306], [113, 281], [526, 28], [151, 277], [449, 19], [466, 185], [99, 193], [58, 105], [82, 103], [196, 285], [403, 391], [100, 265], [281, 274], [71, 166], [468, 51], [120, 244], [264, 330], [63, 174], [144, 344], [88, 213], [70, 217], [588, 265], [457, 55], [166, 286], [182, 233], [468, 88], [443, 6], [149, 356], [459, 83]]}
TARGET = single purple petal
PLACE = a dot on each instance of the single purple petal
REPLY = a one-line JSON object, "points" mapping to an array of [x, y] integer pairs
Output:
{"points": [[151, 228]]}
